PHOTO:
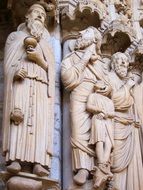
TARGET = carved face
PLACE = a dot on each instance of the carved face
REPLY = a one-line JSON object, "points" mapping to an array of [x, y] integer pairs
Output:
{"points": [[35, 21], [121, 64], [87, 34], [85, 39], [38, 14]]}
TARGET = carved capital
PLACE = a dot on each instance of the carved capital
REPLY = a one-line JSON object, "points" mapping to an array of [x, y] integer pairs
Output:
{"points": [[79, 15]]}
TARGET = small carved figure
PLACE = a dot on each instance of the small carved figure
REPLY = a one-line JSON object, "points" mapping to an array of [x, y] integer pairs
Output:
{"points": [[102, 130], [29, 95]]}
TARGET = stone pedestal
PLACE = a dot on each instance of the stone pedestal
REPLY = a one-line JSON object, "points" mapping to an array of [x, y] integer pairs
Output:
{"points": [[21, 183], [27, 181]]}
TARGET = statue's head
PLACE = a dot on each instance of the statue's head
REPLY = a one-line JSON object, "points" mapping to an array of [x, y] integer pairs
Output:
{"points": [[102, 88], [35, 20], [37, 12], [120, 64], [87, 37], [99, 86]]}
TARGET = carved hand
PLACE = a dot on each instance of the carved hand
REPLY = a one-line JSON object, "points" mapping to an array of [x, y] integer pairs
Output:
{"points": [[130, 83], [34, 55], [100, 116], [94, 57], [20, 74], [89, 52], [92, 48]]}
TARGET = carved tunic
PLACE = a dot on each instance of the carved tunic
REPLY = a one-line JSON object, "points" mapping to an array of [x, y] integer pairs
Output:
{"points": [[101, 128]]}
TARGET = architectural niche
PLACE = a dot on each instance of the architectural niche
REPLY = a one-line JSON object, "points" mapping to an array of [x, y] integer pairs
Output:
{"points": [[117, 37], [78, 16]]}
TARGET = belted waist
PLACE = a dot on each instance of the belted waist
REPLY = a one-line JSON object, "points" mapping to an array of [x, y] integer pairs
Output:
{"points": [[127, 121], [37, 79]]}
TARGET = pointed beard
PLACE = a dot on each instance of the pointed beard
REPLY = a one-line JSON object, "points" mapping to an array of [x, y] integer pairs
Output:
{"points": [[35, 28], [121, 72]]}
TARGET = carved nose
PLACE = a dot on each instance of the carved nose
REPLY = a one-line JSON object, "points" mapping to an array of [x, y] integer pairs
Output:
{"points": [[39, 16]]}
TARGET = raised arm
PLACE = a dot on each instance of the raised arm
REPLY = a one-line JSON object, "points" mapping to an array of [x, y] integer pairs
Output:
{"points": [[73, 67]]}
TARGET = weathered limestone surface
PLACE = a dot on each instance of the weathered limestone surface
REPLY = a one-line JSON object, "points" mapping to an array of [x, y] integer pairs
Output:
{"points": [[17, 183], [82, 161]]}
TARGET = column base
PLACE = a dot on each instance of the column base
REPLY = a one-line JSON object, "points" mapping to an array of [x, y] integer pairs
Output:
{"points": [[27, 181]]}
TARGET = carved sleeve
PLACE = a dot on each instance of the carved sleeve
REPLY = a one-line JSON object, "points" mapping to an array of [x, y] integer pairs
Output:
{"points": [[13, 52], [72, 72], [91, 104]]}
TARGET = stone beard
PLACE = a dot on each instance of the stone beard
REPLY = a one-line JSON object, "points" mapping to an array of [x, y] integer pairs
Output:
{"points": [[83, 43], [119, 65], [121, 71], [35, 27]]}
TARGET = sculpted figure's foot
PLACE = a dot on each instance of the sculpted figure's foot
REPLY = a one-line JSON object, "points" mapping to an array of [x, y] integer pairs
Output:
{"points": [[81, 177], [40, 171], [105, 168], [14, 167], [99, 177], [98, 182]]}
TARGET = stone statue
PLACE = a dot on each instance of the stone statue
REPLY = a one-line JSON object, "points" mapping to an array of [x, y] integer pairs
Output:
{"points": [[127, 163], [28, 118], [102, 130], [80, 71], [138, 98]]}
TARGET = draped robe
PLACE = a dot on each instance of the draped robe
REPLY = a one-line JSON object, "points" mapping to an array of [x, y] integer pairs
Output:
{"points": [[127, 163], [32, 139], [80, 81], [138, 97]]}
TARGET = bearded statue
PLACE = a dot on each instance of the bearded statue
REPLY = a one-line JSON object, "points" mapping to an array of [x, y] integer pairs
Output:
{"points": [[28, 119]]}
